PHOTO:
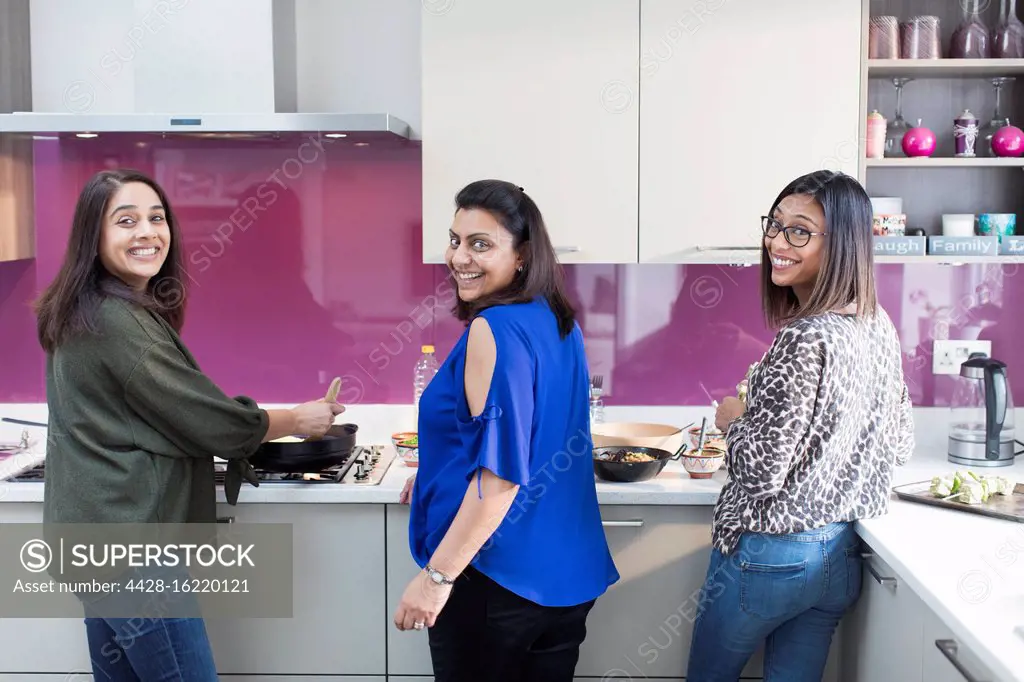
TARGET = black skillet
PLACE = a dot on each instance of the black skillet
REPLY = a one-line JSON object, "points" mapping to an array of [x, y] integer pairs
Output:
{"points": [[307, 456], [608, 467]]}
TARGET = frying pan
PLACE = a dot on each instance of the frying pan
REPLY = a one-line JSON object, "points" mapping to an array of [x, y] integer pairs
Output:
{"points": [[631, 472], [308, 455]]}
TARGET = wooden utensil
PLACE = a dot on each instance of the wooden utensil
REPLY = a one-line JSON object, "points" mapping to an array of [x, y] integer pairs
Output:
{"points": [[332, 396], [333, 390]]}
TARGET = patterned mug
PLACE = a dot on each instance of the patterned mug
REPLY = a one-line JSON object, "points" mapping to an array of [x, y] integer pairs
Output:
{"points": [[997, 224]]}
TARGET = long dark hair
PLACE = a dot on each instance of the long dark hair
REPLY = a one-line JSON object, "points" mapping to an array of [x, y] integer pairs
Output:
{"points": [[541, 275], [847, 271], [68, 306]]}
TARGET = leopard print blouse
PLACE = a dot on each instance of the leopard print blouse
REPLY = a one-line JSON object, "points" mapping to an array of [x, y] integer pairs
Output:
{"points": [[828, 417]]}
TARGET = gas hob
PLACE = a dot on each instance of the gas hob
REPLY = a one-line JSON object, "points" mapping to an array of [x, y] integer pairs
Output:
{"points": [[365, 466]]}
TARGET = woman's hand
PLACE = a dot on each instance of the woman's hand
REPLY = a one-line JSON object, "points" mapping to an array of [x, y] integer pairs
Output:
{"points": [[421, 603], [405, 497], [730, 409], [315, 417]]}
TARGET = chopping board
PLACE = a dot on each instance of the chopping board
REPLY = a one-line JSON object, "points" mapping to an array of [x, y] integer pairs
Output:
{"points": [[1006, 507]]}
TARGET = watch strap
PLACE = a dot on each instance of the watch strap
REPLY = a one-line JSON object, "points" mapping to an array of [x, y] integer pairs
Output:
{"points": [[437, 576]]}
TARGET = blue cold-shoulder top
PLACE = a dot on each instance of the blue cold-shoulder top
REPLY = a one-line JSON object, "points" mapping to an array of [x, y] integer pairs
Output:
{"points": [[534, 431]]}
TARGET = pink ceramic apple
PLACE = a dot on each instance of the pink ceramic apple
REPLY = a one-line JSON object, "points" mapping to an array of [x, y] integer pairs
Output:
{"points": [[1008, 141], [919, 141]]}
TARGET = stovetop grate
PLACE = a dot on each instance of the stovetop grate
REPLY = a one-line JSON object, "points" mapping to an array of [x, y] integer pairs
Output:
{"points": [[366, 464]]}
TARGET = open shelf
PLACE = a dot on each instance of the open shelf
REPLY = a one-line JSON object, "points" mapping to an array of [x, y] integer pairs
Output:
{"points": [[950, 260], [752, 257], [946, 162], [944, 68]]}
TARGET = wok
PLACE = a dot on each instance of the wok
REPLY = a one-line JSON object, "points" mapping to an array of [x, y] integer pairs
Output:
{"points": [[631, 472], [308, 455]]}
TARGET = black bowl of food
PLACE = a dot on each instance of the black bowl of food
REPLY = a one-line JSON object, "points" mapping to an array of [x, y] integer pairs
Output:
{"points": [[629, 464]]}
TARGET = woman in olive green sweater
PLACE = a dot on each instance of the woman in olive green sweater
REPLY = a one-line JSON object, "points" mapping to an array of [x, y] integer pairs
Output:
{"points": [[134, 424]]}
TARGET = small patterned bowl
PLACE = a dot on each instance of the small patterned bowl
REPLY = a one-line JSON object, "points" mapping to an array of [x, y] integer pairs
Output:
{"points": [[409, 456], [703, 464], [712, 434]]}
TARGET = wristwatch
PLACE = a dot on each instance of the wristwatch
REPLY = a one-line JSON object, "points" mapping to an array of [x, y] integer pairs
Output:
{"points": [[437, 576]]}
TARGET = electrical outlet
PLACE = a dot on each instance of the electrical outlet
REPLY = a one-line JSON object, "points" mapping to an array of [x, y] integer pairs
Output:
{"points": [[947, 356]]}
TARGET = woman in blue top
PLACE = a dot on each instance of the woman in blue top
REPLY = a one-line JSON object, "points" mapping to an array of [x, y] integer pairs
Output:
{"points": [[504, 518]]}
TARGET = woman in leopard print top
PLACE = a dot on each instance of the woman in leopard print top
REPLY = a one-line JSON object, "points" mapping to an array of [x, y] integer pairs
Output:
{"points": [[828, 417]]}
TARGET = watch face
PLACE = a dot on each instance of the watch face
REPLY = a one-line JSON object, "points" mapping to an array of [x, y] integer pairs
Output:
{"points": [[436, 577]]}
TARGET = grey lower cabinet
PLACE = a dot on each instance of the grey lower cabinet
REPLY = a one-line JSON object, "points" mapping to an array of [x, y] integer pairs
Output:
{"points": [[303, 678], [51, 677], [408, 652], [640, 628], [87, 677], [891, 634], [33, 647], [338, 596]]}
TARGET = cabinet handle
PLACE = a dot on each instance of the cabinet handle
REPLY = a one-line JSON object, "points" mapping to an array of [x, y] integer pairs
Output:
{"points": [[622, 524], [867, 556], [225, 519], [949, 649], [567, 249]]}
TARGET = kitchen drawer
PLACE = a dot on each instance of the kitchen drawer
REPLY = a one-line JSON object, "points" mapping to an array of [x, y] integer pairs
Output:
{"points": [[937, 667], [882, 635], [338, 594], [641, 627]]}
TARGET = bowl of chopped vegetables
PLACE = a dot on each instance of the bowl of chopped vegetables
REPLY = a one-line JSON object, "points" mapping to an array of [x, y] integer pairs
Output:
{"points": [[407, 445]]}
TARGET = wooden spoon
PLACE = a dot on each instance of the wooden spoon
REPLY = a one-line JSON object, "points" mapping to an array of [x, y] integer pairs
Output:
{"points": [[333, 390], [332, 396]]}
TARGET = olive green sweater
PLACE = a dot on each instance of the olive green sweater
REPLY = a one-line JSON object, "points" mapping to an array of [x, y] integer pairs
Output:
{"points": [[134, 426]]}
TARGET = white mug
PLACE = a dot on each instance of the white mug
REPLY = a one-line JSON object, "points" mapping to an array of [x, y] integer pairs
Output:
{"points": [[958, 224]]}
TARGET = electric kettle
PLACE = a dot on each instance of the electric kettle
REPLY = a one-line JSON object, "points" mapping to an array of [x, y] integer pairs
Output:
{"points": [[981, 430]]}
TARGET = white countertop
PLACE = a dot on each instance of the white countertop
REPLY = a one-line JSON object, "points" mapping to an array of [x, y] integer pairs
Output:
{"points": [[672, 487]]}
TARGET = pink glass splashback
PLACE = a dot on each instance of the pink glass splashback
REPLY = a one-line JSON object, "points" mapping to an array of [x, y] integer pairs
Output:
{"points": [[304, 259]]}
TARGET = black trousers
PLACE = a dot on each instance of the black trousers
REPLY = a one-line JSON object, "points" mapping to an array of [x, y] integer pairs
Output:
{"points": [[486, 633]]}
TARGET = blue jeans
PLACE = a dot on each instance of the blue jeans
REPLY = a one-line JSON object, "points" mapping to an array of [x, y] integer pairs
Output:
{"points": [[144, 648], [786, 591], [150, 650]]}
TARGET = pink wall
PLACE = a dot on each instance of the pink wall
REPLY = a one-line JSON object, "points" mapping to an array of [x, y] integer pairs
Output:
{"points": [[304, 259]]}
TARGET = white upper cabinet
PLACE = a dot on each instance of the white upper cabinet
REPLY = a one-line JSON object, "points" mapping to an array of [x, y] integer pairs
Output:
{"points": [[737, 99], [542, 93]]}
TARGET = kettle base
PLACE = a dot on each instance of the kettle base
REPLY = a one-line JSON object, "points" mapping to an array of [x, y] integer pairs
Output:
{"points": [[981, 462], [972, 453]]}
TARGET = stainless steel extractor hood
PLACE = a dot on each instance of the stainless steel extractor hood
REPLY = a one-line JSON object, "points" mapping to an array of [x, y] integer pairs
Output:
{"points": [[356, 125], [219, 70]]}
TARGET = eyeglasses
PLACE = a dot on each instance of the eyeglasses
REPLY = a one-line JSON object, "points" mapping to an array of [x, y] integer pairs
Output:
{"points": [[796, 236]]}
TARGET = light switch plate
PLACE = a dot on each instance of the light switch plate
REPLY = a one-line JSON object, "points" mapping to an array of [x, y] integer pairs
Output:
{"points": [[948, 355]]}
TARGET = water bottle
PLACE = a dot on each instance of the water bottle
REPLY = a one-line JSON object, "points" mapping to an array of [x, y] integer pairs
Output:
{"points": [[426, 368]]}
